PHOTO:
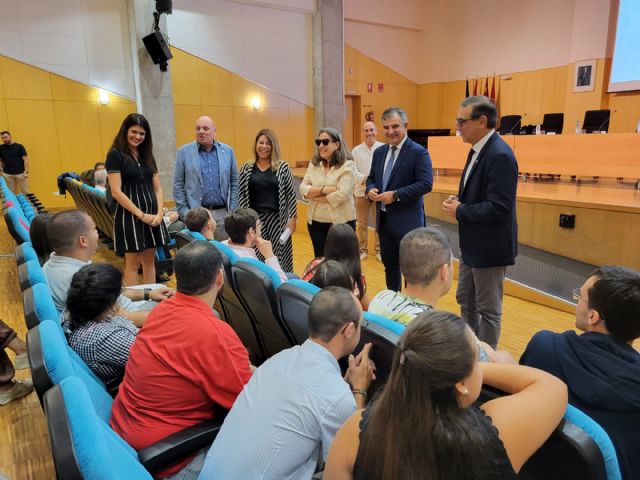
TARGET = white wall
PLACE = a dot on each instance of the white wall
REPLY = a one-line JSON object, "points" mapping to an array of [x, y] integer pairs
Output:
{"points": [[84, 40], [441, 40], [266, 42]]}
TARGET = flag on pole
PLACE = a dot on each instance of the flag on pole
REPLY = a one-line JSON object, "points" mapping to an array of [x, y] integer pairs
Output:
{"points": [[493, 90], [466, 91], [475, 87], [486, 87]]}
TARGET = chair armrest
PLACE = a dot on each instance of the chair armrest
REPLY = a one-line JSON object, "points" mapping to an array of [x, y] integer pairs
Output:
{"points": [[177, 446]]}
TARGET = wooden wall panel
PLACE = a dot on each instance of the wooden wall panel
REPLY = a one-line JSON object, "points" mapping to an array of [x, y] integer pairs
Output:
{"points": [[78, 134]]}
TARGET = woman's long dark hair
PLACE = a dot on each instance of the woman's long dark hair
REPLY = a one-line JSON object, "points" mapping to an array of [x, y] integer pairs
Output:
{"points": [[416, 429], [145, 150], [94, 290], [342, 246]]}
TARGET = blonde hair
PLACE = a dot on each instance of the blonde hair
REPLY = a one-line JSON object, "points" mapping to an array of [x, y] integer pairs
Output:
{"points": [[275, 148]]}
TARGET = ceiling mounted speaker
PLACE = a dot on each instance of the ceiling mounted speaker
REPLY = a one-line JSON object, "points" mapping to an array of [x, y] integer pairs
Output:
{"points": [[164, 6]]}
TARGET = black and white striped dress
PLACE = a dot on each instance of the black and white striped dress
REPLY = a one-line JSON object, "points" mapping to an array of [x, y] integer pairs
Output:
{"points": [[131, 234], [273, 224]]}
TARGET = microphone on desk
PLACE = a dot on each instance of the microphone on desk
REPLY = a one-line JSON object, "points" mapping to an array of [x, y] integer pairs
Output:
{"points": [[606, 120], [519, 122]]}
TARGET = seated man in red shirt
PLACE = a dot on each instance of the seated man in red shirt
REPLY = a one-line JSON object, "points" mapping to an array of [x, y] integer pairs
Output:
{"points": [[184, 360]]}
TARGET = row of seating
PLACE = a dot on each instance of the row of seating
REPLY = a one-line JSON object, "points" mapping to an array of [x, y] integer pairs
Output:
{"points": [[77, 403], [94, 202], [269, 316], [18, 211]]}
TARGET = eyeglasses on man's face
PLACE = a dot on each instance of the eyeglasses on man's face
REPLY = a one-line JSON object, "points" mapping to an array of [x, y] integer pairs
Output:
{"points": [[461, 121], [576, 294], [323, 141]]}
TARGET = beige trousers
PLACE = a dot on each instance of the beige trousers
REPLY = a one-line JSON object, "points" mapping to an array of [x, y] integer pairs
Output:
{"points": [[363, 206], [17, 183]]}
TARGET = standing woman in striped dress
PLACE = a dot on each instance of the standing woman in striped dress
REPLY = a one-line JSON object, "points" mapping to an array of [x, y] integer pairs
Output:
{"points": [[266, 185], [134, 182]]}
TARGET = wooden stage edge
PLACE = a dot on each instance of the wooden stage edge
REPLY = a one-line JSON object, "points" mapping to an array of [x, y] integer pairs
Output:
{"points": [[607, 222]]}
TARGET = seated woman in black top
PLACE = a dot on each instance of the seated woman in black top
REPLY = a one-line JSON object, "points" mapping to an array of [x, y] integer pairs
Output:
{"points": [[331, 273], [423, 425]]}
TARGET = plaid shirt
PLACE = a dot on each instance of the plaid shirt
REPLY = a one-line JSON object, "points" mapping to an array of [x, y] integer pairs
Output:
{"points": [[104, 345]]}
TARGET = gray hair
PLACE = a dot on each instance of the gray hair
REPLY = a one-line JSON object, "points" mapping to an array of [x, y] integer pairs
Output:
{"points": [[395, 111]]}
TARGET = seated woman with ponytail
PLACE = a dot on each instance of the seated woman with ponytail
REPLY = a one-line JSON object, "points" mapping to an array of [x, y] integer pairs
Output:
{"points": [[101, 338], [423, 424]]}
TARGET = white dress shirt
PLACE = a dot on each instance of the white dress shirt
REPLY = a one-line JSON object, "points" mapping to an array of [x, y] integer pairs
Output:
{"points": [[362, 157]]}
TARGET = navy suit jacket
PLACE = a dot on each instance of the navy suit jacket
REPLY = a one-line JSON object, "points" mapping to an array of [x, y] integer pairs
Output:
{"points": [[411, 177], [487, 214]]}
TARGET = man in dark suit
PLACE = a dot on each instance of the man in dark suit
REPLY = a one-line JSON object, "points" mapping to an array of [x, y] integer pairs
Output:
{"points": [[400, 176], [486, 212]]}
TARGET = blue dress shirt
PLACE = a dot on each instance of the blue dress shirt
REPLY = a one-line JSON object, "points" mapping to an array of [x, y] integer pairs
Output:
{"points": [[211, 194]]}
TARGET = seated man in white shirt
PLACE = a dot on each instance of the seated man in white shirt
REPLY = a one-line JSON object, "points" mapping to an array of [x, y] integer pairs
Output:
{"points": [[243, 228], [285, 419], [73, 237]]}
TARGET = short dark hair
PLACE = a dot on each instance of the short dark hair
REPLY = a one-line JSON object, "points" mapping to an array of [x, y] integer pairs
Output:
{"points": [[99, 164], [38, 236], [616, 297], [331, 273], [331, 309], [482, 106], [197, 218], [196, 266], [7, 132], [64, 229], [238, 223], [433, 250], [94, 289]]}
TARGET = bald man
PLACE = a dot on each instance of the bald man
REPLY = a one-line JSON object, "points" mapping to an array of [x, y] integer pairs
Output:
{"points": [[362, 155], [206, 175]]}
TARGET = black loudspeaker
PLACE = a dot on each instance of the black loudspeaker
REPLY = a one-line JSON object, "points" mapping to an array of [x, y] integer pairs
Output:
{"points": [[164, 6], [158, 49]]}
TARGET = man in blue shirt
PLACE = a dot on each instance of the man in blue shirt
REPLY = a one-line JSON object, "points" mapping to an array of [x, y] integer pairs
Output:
{"points": [[285, 419], [206, 175]]}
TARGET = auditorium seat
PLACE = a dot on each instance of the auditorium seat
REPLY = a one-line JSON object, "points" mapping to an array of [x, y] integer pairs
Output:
{"points": [[38, 305], [30, 273], [383, 334], [182, 238], [256, 285], [294, 299], [25, 252], [510, 124], [85, 447], [552, 123], [596, 120], [579, 449]]}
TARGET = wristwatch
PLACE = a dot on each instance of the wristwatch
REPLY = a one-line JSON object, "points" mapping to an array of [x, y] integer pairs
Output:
{"points": [[396, 196], [147, 291]]}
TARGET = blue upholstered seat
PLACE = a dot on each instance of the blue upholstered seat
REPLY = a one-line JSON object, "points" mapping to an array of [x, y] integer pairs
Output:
{"points": [[294, 299]]}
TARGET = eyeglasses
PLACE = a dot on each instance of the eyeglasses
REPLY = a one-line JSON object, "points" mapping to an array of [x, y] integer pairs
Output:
{"points": [[576, 294], [323, 141], [461, 121]]}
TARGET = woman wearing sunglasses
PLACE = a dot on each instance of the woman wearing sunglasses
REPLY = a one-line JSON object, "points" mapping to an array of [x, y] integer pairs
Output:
{"points": [[328, 187]]}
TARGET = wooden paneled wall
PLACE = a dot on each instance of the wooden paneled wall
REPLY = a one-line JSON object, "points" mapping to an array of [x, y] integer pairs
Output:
{"points": [[59, 121], [360, 69], [201, 88]]}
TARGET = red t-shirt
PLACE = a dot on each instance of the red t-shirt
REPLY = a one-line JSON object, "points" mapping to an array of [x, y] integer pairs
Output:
{"points": [[184, 361]]}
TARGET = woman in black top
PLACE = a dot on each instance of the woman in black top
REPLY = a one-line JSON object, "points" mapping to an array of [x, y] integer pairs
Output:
{"points": [[424, 425], [266, 185], [138, 228]]}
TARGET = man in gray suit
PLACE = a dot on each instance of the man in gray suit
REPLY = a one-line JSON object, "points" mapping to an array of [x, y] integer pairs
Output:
{"points": [[206, 175]]}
